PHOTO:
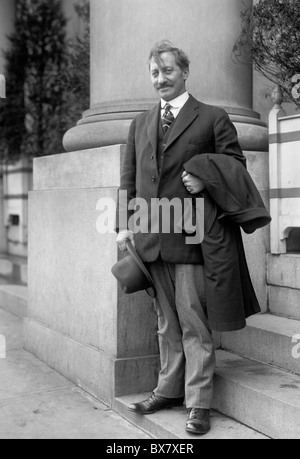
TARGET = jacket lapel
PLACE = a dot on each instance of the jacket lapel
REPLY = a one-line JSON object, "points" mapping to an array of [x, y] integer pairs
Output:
{"points": [[152, 126], [186, 116]]}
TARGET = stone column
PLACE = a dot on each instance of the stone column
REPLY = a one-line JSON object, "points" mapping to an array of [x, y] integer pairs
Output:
{"points": [[122, 34], [78, 320]]}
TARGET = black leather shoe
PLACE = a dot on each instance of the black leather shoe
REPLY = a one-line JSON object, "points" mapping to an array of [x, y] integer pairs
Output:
{"points": [[155, 403], [198, 421]]}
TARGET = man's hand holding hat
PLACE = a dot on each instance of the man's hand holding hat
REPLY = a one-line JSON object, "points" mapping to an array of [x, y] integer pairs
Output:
{"points": [[130, 271], [123, 237]]}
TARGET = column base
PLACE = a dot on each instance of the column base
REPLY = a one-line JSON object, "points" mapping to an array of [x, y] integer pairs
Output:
{"points": [[107, 124]]}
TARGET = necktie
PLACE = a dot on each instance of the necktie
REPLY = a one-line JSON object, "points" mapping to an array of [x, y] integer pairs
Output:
{"points": [[167, 118]]}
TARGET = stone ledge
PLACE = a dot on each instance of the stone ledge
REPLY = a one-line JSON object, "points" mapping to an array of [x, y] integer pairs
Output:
{"points": [[13, 299], [94, 168]]}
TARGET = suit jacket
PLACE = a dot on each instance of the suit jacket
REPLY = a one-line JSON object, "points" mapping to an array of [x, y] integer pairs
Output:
{"points": [[198, 129]]}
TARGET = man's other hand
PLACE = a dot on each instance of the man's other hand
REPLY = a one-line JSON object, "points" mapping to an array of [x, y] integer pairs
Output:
{"points": [[123, 237], [193, 184]]}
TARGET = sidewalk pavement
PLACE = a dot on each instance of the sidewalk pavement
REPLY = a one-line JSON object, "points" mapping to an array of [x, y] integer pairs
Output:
{"points": [[38, 403]]}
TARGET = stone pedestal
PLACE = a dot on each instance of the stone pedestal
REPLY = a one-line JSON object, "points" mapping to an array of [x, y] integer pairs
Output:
{"points": [[79, 322]]}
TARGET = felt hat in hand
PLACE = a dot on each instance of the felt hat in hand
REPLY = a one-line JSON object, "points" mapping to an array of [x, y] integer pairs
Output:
{"points": [[132, 274]]}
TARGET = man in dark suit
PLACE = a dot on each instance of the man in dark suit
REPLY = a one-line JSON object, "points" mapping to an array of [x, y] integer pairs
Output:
{"points": [[160, 143]]}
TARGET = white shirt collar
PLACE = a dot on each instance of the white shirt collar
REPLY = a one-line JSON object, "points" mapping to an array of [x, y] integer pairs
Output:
{"points": [[178, 102]]}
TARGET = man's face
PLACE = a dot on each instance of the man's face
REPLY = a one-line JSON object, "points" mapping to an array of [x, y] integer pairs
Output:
{"points": [[167, 77]]}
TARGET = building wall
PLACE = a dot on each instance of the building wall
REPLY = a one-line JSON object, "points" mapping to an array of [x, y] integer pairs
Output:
{"points": [[16, 181], [7, 8], [3, 245]]}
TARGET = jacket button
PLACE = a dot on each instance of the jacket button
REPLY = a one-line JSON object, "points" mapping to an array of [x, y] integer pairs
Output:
{"points": [[153, 179]]}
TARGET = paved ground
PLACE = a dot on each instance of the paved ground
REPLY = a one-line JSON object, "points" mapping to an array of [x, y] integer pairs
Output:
{"points": [[38, 403]]}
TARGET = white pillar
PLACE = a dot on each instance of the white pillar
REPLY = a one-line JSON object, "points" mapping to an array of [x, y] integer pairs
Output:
{"points": [[122, 34]]}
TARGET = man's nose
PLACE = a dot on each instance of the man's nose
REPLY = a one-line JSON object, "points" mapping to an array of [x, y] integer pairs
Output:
{"points": [[161, 78]]}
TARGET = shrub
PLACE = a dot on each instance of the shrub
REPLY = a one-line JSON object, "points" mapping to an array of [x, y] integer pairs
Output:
{"points": [[47, 80], [271, 34]]}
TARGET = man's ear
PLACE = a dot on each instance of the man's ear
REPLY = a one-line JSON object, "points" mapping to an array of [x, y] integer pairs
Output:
{"points": [[186, 73]]}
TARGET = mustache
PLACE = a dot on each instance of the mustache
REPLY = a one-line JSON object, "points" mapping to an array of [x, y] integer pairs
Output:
{"points": [[164, 86]]}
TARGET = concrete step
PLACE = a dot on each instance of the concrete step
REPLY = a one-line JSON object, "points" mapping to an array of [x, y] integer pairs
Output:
{"points": [[268, 339], [284, 301], [13, 299], [260, 396], [283, 278], [247, 393], [170, 424], [13, 268], [284, 270]]}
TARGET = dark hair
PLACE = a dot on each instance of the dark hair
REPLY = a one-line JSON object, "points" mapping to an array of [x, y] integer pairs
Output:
{"points": [[166, 46]]}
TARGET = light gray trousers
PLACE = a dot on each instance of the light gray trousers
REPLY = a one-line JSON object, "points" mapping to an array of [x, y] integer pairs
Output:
{"points": [[186, 346]]}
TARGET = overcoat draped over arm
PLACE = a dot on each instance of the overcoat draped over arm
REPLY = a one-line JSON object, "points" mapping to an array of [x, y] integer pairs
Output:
{"points": [[231, 200]]}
